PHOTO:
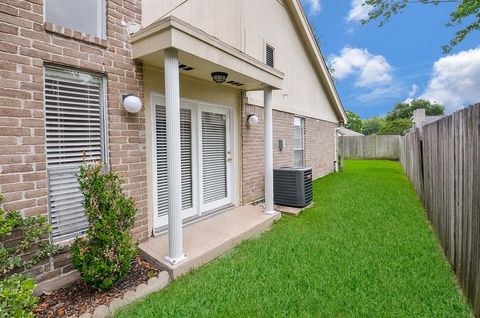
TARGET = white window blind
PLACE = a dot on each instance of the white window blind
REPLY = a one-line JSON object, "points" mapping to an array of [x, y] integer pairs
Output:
{"points": [[74, 133], [214, 146], [298, 141], [186, 158]]}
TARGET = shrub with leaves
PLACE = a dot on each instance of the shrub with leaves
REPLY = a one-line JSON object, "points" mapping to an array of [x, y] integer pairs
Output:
{"points": [[19, 237], [105, 255], [16, 299]]}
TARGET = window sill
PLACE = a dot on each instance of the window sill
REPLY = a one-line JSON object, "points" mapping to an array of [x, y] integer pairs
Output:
{"points": [[69, 33]]}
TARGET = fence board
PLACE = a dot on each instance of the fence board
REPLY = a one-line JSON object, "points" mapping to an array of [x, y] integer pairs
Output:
{"points": [[442, 160], [369, 147]]}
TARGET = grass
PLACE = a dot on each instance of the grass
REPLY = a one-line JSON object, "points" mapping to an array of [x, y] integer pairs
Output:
{"points": [[364, 250]]}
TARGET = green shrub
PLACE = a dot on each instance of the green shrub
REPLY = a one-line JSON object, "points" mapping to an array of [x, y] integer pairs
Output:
{"points": [[19, 237], [105, 255], [16, 299]]}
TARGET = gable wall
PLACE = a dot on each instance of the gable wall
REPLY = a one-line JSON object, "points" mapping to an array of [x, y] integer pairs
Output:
{"points": [[248, 25]]}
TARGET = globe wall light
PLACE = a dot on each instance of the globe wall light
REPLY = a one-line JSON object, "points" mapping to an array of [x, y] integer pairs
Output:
{"points": [[252, 119], [132, 103]]}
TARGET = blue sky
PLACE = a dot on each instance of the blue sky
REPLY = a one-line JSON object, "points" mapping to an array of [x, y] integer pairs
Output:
{"points": [[378, 67]]}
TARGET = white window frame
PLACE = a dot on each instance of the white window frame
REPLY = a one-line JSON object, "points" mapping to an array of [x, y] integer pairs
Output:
{"points": [[104, 132], [302, 149], [102, 17]]}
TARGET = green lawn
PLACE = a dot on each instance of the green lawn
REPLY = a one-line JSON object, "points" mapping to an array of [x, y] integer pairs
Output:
{"points": [[364, 250]]}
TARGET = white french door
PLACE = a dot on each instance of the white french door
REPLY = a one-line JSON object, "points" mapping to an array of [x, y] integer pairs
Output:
{"points": [[215, 158], [206, 159]]}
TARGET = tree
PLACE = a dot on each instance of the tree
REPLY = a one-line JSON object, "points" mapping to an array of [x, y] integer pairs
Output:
{"points": [[396, 127], [372, 126], [405, 110], [354, 122], [384, 9]]}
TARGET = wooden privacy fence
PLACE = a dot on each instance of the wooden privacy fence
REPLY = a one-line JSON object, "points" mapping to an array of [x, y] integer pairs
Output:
{"points": [[442, 160], [369, 147]]}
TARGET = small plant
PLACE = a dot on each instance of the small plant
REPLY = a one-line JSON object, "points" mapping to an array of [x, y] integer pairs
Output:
{"points": [[19, 237], [16, 299], [105, 255]]}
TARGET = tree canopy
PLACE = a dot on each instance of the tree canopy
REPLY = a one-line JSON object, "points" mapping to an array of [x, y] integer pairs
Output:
{"points": [[354, 122], [396, 127], [405, 110], [385, 9], [373, 126], [396, 122]]}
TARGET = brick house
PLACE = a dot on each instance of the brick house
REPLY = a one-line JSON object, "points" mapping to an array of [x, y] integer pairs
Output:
{"points": [[190, 152]]}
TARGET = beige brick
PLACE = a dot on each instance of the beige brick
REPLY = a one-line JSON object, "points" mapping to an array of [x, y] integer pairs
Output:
{"points": [[9, 48], [8, 9], [14, 131], [12, 168], [19, 205], [14, 112], [14, 58], [26, 44], [15, 187], [7, 158], [34, 176], [9, 178], [34, 53]]}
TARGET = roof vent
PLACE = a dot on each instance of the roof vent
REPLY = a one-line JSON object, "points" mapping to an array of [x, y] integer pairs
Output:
{"points": [[235, 83], [184, 67], [269, 55]]}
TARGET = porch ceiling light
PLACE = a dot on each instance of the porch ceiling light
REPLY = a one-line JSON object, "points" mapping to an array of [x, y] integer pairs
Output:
{"points": [[252, 119], [132, 103], [219, 77]]}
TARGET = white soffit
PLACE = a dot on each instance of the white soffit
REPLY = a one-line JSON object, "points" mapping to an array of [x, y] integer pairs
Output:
{"points": [[203, 52]]}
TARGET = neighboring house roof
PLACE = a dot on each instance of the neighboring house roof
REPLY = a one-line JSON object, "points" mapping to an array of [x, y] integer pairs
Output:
{"points": [[431, 119], [313, 48], [347, 132]]}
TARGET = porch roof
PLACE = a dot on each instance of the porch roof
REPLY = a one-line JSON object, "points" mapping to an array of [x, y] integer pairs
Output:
{"points": [[204, 53]]}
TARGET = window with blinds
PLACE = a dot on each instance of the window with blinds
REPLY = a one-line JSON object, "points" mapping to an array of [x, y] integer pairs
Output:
{"points": [[298, 141], [74, 132], [186, 158], [269, 55], [214, 147]]}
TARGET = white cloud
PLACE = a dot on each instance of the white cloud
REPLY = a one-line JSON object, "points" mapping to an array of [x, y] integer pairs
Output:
{"points": [[413, 91], [358, 11], [314, 6], [381, 93], [455, 81], [370, 70]]}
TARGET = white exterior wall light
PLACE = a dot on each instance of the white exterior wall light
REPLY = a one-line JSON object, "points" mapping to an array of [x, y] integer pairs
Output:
{"points": [[252, 119], [132, 103]]}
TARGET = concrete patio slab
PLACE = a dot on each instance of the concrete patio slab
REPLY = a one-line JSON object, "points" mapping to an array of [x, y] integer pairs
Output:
{"points": [[291, 210], [209, 238]]}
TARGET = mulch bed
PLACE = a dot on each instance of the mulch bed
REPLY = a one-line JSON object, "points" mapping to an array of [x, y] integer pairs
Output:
{"points": [[77, 298]]}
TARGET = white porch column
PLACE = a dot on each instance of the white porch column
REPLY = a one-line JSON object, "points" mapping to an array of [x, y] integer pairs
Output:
{"points": [[172, 99], [268, 135]]}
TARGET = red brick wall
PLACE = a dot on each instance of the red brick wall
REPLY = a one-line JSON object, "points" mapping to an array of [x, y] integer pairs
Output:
{"points": [[26, 45], [318, 148]]}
